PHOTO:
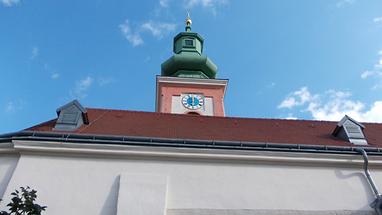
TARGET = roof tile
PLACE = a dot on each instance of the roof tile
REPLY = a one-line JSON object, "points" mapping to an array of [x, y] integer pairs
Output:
{"points": [[163, 125]]}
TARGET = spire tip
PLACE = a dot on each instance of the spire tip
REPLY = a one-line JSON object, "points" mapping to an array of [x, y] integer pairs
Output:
{"points": [[188, 22]]}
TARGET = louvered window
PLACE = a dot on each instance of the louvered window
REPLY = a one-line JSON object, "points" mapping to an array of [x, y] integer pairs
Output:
{"points": [[350, 130], [70, 116]]}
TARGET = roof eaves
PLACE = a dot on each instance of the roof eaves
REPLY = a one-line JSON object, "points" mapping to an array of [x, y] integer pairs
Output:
{"points": [[184, 143]]}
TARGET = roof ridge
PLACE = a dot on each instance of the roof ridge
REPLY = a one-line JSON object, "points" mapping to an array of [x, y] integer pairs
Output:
{"points": [[220, 117]]}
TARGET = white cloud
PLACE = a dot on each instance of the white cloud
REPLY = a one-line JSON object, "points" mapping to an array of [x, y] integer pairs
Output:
{"points": [[297, 98], [376, 73], [35, 52], [9, 107], [147, 59], [378, 20], [204, 3], [133, 37], [367, 74], [210, 4], [102, 81], [55, 75], [332, 105], [81, 87], [158, 29], [377, 86], [163, 3], [14, 106], [290, 116], [10, 3], [342, 3], [271, 85]]}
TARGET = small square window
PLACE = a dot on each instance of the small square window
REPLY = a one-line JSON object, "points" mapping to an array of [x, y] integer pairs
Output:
{"points": [[189, 42]]}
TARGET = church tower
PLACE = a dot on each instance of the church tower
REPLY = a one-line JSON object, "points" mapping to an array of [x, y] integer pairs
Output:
{"points": [[187, 84]]}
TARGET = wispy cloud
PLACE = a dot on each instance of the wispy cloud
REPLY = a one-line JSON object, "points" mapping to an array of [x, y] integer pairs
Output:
{"points": [[378, 20], [204, 3], [9, 3], [342, 3], [14, 106], [331, 105], [103, 81], [81, 87], [35, 52], [368, 73], [164, 3], [133, 37], [209, 4], [156, 29], [212, 5], [375, 73], [55, 75], [271, 85], [297, 98], [136, 32]]}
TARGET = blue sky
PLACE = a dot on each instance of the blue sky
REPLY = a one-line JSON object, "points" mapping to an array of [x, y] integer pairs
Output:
{"points": [[284, 59]]}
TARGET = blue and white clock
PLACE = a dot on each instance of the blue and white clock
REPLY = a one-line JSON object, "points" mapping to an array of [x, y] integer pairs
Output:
{"points": [[193, 101]]}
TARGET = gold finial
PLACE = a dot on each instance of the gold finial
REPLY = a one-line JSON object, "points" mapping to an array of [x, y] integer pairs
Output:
{"points": [[188, 22]]}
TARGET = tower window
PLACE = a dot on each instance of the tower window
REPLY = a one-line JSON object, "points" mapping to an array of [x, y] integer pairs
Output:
{"points": [[189, 42]]}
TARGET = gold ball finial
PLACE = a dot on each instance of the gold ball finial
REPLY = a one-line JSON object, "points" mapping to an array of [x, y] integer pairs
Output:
{"points": [[188, 22]]}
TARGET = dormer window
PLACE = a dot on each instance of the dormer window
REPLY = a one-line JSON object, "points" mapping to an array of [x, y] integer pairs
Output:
{"points": [[71, 116], [189, 42], [350, 130]]}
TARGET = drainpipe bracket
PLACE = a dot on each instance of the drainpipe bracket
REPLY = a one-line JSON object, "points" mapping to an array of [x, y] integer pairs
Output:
{"points": [[377, 205]]}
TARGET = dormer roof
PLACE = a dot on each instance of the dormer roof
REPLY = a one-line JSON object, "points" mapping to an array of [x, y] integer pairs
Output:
{"points": [[71, 116], [350, 130]]}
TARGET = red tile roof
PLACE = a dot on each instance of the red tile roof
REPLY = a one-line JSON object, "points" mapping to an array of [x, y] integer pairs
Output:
{"points": [[151, 124]]}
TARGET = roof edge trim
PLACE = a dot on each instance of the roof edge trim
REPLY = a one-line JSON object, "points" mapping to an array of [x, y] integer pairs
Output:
{"points": [[184, 143]]}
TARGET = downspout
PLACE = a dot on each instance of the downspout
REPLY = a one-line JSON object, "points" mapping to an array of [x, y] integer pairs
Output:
{"points": [[377, 203]]}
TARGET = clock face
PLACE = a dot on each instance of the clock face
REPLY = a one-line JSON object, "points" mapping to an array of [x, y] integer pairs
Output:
{"points": [[193, 101]]}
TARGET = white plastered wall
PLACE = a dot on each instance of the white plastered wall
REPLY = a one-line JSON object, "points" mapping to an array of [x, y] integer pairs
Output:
{"points": [[8, 163], [177, 107], [87, 184]]}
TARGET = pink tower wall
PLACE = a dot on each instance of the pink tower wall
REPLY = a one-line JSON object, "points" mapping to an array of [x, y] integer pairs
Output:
{"points": [[167, 90]]}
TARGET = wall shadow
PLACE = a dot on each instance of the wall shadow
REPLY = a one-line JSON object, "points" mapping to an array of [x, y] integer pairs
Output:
{"points": [[111, 202]]}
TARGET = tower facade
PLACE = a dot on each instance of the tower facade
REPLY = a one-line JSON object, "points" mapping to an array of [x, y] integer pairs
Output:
{"points": [[187, 84]]}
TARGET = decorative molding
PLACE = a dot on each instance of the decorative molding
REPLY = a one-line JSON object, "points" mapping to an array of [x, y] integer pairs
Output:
{"points": [[197, 81], [197, 155], [7, 148]]}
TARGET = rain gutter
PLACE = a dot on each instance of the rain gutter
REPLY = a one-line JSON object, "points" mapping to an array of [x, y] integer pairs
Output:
{"points": [[184, 143]]}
